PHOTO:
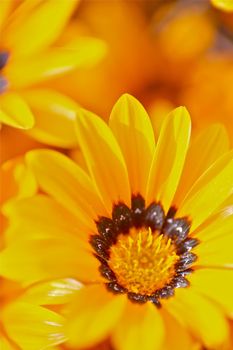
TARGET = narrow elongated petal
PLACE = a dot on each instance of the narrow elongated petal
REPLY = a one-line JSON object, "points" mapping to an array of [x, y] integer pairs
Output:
{"points": [[139, 328], [133, 130], [208, 146], [52, 292], [201, 316], [54, 117], [33, 327], [104, 159], [64, 180], [56, 61], [33, 30], [92, 315], [215, 284], [14, 111], [30, 261], [209, 192], [52, 219], [169, 157]]}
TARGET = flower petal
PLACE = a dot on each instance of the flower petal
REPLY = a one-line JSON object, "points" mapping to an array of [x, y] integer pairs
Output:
{"points": [[141, 327], [52, 292], [65, 181], [92, 315], [169, 157], [14, 111], [132, 128], [216, 284], [24, 33], [104, 159], [33, 327], [201, 316], [207, 147], [55, 61], [209, 192], [33, 260], [54, 117], [42, 217], [216, 252]]}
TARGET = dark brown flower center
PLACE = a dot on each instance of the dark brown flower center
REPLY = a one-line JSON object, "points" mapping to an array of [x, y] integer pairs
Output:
{"points": [[144, 252]]}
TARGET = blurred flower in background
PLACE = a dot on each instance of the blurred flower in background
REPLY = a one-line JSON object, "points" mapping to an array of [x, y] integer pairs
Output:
{"points": [[35, 46]]}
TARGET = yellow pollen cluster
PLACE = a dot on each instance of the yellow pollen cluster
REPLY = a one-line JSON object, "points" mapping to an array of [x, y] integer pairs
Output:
{"points": [[143, 261]]}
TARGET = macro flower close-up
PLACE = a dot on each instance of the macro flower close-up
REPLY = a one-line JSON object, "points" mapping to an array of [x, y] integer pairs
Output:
{"points": [[116, 177], [146, 231]]}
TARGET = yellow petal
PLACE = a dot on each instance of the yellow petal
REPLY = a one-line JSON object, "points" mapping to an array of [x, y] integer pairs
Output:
{"points": [[204, 319], [51, 293], [92, 315], [54, 117], [141, 327], [104, 159], [5, 7], [216, 284], [33, 327], [169, 157], [209, 192], [42, 217], [207, 147], [132, 128], [5, 345], [225, 5], [32, 31], [177, 337], [216, 252], [218, 225], [33, 260], [65, 181], [56, 61], [14, 111]]}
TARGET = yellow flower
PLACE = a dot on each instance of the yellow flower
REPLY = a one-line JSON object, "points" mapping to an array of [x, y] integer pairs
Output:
{"points": [[30, 53], [225, 5], [145, 231]]}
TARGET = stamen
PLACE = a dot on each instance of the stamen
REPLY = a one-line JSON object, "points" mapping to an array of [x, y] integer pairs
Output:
{"points": [[143, 252]]}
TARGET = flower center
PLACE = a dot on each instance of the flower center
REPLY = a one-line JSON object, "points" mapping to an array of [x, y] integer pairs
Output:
{"points": [[142, 261], [144, 252], [3, 61]]}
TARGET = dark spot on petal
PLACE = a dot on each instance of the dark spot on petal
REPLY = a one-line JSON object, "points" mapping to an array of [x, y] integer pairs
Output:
{"points": [[106, 229], [121, 216], [107, 272], [100, 246], [187, 245], [177, 229], [165, 292], [115, 287], [138, 209], [179, 282], [154, 216], [137, 298]]}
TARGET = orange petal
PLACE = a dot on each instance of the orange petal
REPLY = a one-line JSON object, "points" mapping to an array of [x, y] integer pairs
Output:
{"points": [[208, 146], [34, 260], [104, 159], [92, 315], [169, 157], [204, 319], [24, 33], [33, 327], [133, 130], [141, 327], [15, 112], [65, 181], [5, 7], [209, 192]]}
